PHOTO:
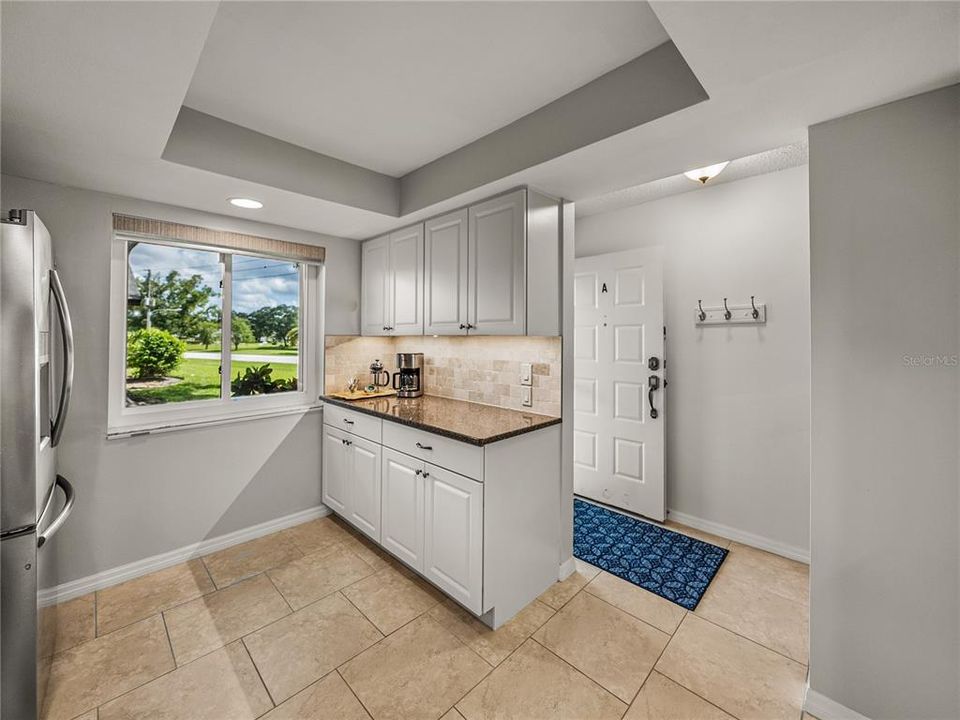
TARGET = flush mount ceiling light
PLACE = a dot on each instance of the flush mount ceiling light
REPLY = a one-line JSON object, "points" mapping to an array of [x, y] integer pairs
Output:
{"points": [[701, 175], [247, 203]]}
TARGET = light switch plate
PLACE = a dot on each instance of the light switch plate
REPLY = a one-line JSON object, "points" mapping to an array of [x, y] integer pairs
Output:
{"points": [[526, 374], [526, 396]]}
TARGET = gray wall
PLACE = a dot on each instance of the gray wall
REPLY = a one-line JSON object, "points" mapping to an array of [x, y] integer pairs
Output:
{"points": [[738, 401], [143, 496], [885, 247]]}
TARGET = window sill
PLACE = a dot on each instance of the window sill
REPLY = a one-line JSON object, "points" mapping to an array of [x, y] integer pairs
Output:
{"points": [[156, 428]]}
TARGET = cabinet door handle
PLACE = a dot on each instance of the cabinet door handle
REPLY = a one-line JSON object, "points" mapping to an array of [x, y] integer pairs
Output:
{"points": [[419, 471], [426, 474], [462, 326], [424, 447]]}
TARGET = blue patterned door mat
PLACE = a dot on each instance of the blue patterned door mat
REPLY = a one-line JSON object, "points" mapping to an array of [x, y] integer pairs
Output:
{"points": [[672, 565]]}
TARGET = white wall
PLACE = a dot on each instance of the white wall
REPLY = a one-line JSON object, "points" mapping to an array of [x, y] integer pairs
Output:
{"points": [[885, 262], [738, 399], [143, 496]]}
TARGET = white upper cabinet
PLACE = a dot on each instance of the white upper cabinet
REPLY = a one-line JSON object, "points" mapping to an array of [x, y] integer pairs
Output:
{"points": [[375, 286], [405, 282], [445, 293], [491, 269], [496, 299], [392, 284]]}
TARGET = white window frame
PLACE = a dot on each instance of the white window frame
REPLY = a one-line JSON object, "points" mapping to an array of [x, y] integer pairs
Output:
{"points": [[124, 421]]}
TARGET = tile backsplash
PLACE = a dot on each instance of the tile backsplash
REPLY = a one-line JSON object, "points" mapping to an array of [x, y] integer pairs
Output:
{"points": [[479, 369]]}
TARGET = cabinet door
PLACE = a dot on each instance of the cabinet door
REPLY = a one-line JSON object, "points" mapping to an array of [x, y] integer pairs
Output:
{"points": [[335, 470], [402, 509], [445, 294], [374, 286], [363, 509], [405, 315], [497, 267], [453, 535]]}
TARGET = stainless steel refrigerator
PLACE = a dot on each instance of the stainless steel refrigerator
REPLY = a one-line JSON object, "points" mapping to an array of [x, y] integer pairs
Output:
{"points": [[36, 379]]}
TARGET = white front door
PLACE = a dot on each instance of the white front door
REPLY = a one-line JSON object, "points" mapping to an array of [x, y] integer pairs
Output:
{"points": [[618, 381]]}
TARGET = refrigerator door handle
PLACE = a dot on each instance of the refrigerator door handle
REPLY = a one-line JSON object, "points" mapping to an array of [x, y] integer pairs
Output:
{"points": [[69, 497], [66, 382]]}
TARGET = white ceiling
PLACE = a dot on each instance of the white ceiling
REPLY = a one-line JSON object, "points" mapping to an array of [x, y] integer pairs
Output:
{"points": [[90, 92], [760, 163], [391, 86]]}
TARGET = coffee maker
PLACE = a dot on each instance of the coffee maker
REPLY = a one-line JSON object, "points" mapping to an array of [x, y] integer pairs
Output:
{"points": [[408, 380]]}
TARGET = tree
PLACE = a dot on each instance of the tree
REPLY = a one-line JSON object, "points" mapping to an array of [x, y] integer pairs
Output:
{"points": [[178, 304], [207, 333], [153, 352], [273, 322], [240, 331]]}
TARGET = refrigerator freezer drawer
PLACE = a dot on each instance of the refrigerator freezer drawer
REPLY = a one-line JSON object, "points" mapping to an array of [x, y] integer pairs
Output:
{"points": [[18, 627]]}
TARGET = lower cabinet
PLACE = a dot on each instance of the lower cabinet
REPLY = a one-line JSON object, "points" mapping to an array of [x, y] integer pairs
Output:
{"points": [[335, 470], [432, 519], [402, 507], [351, 479], [363, 510], [453, 512], [453, 535]]}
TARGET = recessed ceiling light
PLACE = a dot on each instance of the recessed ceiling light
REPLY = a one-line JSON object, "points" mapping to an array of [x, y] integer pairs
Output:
{"points": [[701, 175], [247, 203]]}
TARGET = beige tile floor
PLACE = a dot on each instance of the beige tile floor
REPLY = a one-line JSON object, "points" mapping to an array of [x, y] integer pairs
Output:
{"points": [[317, 623]]}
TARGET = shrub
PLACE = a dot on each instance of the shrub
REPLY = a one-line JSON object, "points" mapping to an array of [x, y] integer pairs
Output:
{"points": [[153, 353], [257, 380]]}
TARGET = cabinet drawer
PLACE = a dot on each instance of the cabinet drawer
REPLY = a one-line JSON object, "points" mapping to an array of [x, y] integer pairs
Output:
{"points": [[352, 421], [444, 452]]}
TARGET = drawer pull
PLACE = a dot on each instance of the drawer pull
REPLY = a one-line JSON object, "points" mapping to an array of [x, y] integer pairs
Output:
{"points": [[424, 447], [348, 422]]}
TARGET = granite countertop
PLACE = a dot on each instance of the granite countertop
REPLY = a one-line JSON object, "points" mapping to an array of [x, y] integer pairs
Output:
{"points": [[457, 419]]}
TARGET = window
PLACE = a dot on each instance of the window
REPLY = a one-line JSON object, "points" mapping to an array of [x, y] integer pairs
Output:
{"points": [[204, 333]]}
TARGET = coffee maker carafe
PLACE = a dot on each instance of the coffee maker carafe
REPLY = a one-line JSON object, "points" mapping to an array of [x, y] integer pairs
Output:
{"points": [[407, 381]]}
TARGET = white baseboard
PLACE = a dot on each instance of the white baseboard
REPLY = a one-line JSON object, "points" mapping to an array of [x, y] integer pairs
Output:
{"points": [[567, 568], [122, 573], [741, 536], [822, 707]]}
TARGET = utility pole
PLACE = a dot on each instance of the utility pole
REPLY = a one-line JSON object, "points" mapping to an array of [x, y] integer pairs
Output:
{"points": [[148, 301]]}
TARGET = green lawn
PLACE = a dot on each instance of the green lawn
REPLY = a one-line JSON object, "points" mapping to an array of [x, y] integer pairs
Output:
{"points": [[250, 348], [201, 380]]}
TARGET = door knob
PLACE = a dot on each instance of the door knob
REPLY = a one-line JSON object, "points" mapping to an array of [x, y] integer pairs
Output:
{"points": [[653, 383]]}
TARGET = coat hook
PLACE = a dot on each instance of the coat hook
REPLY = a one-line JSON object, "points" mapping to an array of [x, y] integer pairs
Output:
{"points": [[703, 315], [756, 313], [726, 311]]}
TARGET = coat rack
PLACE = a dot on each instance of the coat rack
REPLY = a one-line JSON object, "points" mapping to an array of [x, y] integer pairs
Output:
{"points": [[752, 313]]}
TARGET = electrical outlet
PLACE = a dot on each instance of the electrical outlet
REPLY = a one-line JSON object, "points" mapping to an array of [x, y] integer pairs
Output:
{"points": [[526, 396], [526, 374]]}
